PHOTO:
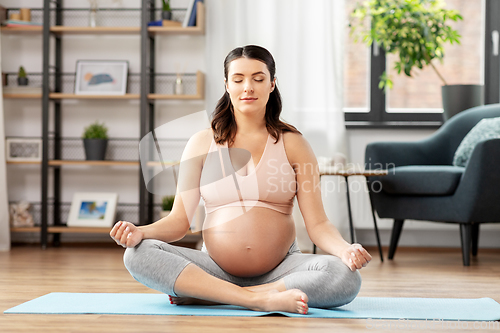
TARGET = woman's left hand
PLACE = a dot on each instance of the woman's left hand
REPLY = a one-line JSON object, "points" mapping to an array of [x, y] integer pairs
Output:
{"points": [[355, 256]]}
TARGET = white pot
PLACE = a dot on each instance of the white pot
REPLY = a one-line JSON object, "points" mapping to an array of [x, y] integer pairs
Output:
{"points": [[164, 213]]}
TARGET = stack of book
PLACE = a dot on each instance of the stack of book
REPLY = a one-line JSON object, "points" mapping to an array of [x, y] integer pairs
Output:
{"points": [[19, 23]]}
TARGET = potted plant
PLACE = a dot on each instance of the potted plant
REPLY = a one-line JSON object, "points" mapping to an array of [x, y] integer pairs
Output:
{"points": [[22, 78], [166, 13], [166, 205], [95, 141], [416, 30]]}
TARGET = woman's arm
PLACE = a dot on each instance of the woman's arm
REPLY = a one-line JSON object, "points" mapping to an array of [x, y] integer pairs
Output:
{"points": [[321, 231], [174, 226]]}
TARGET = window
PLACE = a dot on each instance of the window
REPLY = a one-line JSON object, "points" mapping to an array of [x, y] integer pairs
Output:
{"points": [[415, 100]]}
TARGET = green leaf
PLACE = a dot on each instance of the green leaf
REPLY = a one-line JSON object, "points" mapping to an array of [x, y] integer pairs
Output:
{"points": [[415, 29]]}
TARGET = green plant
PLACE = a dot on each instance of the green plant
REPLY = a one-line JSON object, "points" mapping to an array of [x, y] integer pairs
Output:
{"points": [[415, 29], [22, 72], [95, 131], [167, 202], [166, 5]]}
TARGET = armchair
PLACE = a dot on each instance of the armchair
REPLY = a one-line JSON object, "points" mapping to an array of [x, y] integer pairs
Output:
{"points": [[424, 185]]}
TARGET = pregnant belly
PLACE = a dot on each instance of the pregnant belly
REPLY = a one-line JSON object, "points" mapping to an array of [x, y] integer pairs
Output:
{"points": [[251, 244]]}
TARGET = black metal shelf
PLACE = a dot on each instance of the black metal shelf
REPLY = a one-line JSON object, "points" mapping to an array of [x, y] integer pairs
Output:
{"points": [[145, 86]]}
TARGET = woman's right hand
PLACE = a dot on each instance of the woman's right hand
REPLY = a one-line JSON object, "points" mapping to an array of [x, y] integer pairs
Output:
{"points": [[126, 234]]}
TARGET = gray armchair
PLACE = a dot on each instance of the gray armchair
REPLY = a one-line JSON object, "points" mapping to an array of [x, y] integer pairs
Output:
{"points": [[424, 185]]}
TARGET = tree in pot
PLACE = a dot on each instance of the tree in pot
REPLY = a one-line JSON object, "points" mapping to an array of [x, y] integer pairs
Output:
{"points": [[166, 205], [22, 78], [415, 30], [166, 13], [95, 141]]}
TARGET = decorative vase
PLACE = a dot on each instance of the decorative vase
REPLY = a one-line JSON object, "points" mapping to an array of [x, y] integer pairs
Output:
{"points": [[460, 97], [179, 86], [22, 81], [93, 14], [166, 15], [95, 149], [164, 213]]}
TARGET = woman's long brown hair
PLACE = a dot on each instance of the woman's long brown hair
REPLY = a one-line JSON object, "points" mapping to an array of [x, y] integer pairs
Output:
{"points": [[223, 122]]}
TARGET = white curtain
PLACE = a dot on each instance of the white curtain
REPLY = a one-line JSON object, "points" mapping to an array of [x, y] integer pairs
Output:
{"points": [[4, 204], [306, 40]]}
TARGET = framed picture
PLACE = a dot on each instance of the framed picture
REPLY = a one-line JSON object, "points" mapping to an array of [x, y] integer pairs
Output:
{"points": [[101, 77], [23, 150], [92, 210]]}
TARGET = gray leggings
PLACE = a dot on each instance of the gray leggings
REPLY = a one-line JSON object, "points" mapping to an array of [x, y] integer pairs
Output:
{"points": [[325, 279]]}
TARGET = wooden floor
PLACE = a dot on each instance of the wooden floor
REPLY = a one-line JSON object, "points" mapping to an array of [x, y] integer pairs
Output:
{"points": [[28, 272]]}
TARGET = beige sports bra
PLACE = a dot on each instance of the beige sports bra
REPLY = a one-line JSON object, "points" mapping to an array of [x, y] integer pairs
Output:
{"points": [[271, 184]]}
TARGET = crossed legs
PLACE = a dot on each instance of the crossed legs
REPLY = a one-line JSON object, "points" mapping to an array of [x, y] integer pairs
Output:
{"points": [[299, 280]]}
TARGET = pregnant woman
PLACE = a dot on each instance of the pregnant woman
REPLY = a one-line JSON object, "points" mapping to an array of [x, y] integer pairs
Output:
{"points": [[247, 167]]}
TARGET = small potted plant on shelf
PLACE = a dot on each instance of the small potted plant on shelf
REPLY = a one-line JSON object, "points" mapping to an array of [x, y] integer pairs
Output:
{"points": [[166, 205], [166, 13], [22, 78], [95, 141], [416, 31]]}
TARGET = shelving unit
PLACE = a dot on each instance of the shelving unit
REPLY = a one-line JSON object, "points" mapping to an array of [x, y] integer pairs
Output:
{"points": [[55, 91]]}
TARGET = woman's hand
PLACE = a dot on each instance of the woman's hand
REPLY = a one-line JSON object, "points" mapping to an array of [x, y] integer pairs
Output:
{"points": [[126, 234], [355, 256]]}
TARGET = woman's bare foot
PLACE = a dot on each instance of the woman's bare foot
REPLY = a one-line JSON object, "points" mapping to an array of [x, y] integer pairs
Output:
{"points": [[190, 301], [293, 300]]}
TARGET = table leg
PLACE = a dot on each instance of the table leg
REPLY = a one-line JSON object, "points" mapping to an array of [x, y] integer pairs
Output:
{"points": [[375, 223], [351, 226]]}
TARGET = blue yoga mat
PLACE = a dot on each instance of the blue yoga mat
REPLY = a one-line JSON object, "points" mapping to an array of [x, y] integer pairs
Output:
{"points": [[484, 309]]}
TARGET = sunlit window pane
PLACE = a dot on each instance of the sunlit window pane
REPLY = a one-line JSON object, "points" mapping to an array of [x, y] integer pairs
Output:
{"points": [[463, 64], [356, 70]]}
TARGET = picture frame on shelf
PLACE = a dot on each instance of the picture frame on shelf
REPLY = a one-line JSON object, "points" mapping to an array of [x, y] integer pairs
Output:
{"points": [[101, 77], [23, 150], [93, 209]]}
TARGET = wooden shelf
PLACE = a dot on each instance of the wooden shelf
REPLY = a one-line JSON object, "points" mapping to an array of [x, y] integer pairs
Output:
{"points": [[24, 162], [25, 229], [159, 164], [199, 29], [200, 90], [92, 163], [23, 96], [22, 30], [174, 97], [74, 96], [96, 30], [79, 230]]}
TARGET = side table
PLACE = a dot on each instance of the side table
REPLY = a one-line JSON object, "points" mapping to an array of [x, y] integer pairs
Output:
{"points": [[346, 174]]}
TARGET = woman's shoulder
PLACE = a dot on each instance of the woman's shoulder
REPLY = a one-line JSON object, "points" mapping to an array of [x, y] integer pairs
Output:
{"points": [[199, 143], [296, 147], [293, 140]]}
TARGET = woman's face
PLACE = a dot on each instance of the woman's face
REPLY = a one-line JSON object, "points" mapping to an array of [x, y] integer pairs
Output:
{"points": [[249, 85]]}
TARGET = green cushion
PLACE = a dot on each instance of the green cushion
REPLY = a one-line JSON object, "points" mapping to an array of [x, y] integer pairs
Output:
{"points": [[486, 129]]}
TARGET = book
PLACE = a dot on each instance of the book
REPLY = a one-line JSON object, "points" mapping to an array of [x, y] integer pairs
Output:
{"points": [[192, 18], [190, 9]]}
